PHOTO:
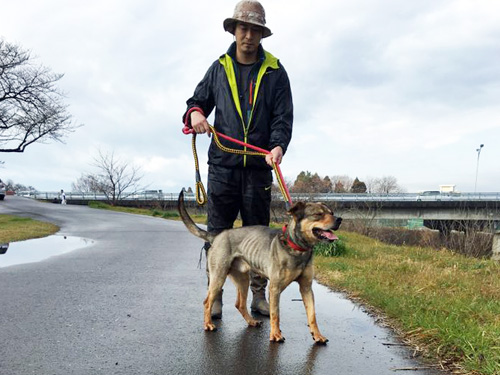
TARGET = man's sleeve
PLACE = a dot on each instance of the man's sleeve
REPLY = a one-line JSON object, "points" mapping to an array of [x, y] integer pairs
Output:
{"points": [[282, 119], [203, 96]]}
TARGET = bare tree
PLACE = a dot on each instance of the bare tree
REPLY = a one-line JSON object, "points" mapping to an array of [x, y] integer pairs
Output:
{"points": [[371, 183], [116, 178], [31, 106], [341, 183], [386, 185], [87, 183], [11, 185]]}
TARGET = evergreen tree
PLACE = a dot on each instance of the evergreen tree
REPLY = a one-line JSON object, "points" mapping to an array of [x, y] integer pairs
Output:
{"points": [[358, 186]]}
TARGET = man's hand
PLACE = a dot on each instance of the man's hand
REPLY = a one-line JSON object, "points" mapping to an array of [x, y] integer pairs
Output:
{"points": [[199, 123], [275, 156]]}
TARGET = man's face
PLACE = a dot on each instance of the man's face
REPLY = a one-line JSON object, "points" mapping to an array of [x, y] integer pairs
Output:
{"points": [[248, 37]]}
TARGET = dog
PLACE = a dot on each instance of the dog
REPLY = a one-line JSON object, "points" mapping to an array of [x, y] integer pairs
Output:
{"points": [[281, 256]]}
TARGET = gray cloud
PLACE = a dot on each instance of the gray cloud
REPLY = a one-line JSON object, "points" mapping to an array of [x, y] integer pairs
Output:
{"points": [[407, 89]]}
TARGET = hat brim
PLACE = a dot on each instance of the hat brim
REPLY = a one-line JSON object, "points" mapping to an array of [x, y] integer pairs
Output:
{"points": [[230, 25]]}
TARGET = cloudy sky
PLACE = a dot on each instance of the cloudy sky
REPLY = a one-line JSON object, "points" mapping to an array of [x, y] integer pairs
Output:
{"points": [[408, 89]]}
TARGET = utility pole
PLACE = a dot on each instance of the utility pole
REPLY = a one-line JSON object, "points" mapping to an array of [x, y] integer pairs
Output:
{"points": [[477, 165]]}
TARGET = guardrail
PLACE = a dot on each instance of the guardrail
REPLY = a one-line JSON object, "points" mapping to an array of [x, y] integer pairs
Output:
{"points": [[346, 197], [51, 195], [402, 197]]}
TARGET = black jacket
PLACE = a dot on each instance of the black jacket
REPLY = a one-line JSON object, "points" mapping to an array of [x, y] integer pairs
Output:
{"points": [[270, 123]]}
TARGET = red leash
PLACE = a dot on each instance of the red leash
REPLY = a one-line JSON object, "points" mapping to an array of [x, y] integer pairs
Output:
{"points": [[281, 182]]}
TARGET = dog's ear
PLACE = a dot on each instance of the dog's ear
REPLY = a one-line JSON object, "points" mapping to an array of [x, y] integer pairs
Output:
{"points": [[297, 210]]}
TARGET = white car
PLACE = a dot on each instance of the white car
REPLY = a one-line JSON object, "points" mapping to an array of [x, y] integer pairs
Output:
{"points": [[2, 191], [430, 195]]}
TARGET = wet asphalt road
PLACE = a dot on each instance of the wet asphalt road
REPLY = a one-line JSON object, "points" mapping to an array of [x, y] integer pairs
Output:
{"points": [[130, 302]]}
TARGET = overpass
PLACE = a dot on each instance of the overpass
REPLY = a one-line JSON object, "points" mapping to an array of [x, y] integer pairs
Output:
{"points": [[477, 207], [443, 211], [455, 208]]}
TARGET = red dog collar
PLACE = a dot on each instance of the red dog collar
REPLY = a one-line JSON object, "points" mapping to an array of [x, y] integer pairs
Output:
{"points": [[289, 242]]}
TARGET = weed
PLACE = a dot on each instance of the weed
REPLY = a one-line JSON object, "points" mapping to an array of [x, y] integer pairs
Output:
{"points": [[170, 215], [334, 249]]}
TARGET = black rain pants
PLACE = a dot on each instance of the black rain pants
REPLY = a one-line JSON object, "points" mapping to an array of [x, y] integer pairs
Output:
{"points": [[244, 191]]}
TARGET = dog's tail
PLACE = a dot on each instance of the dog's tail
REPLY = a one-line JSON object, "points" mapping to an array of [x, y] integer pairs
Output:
{"points": [[189, 223]]}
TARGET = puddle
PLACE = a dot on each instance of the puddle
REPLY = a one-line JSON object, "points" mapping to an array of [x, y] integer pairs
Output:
{"points": [[39, 249]]}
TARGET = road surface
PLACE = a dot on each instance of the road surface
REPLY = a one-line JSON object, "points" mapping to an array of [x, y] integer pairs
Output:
{"points": [[128, 300]]}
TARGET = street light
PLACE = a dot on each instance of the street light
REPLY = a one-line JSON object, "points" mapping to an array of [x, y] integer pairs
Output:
{"points": [[477, 165]]}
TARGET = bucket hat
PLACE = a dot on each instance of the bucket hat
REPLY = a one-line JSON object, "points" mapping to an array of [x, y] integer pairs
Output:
{"points": [[248, 11]]}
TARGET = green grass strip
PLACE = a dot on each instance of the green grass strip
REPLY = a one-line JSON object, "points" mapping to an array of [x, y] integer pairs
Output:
{"points": [[446, 303], [14, 228]]}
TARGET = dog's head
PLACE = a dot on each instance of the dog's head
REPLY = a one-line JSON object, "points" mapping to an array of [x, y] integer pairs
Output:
{"points": [[314, 222]]}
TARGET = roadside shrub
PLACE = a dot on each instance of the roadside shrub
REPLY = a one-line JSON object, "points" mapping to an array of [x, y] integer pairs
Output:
{"points": [[402, 236], [469, 241], [170, 215], [97, 204], [156, 212], [334, 249], [472, 243]]}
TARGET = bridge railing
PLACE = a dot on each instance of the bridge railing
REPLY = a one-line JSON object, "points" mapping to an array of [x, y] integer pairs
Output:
{"points": [[398, 197], [348, 197], [54, 195]]}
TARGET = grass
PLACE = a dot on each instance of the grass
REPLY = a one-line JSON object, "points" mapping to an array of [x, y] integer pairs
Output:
{"points": [[173, 215], [336, 249], [132, 210], [446, 304], [14, 228]]}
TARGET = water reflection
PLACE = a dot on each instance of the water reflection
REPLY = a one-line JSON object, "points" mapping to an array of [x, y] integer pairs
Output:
{"points": [[39, 249], [228, 348]]}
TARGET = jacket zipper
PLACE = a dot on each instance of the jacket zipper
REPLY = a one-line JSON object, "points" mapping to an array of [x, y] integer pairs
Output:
{"points": [[227, 63]]}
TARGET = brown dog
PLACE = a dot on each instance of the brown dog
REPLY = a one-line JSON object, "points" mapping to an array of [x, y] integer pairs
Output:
{"points": [[281, 256]]}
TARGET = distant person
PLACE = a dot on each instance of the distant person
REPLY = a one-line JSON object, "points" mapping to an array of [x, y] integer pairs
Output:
{"points": [[63, 197]]}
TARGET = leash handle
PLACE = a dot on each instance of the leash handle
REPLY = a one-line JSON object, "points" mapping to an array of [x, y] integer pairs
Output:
{"points": [[187, 129]]}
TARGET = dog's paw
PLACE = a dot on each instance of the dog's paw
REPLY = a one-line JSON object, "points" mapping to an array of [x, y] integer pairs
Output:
{"points": [[320, 340], [210, 327], [255, 323], [276, 337]]}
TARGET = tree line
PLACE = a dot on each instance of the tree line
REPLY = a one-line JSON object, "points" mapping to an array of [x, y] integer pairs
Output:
{"points": [[117, 178], [307, 182]]}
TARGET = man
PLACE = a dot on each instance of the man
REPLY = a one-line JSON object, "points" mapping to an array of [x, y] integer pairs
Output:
{"points": [[250, 91], [63, 197]]}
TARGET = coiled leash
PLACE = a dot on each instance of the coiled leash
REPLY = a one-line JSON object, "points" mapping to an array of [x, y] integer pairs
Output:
{"points": [[201, 195]]}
